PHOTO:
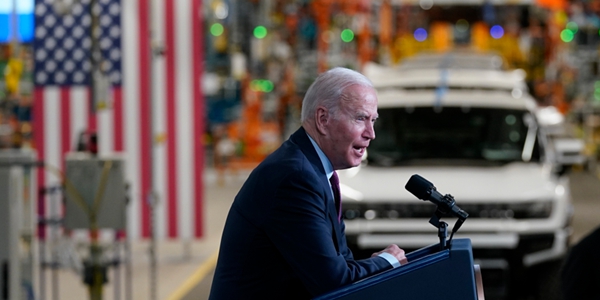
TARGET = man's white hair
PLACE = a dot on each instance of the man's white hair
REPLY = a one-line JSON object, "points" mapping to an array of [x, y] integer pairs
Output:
{"points": [[327, 90]]}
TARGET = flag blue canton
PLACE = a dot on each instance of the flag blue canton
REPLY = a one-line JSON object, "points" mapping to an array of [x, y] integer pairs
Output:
{"points": [[62, 43]]}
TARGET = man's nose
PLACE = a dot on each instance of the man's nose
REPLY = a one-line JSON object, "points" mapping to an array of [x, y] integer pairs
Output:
{"points": [[370, 131]]}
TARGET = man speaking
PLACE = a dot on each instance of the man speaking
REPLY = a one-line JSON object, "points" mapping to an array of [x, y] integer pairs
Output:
{"points": [[284, 236]]}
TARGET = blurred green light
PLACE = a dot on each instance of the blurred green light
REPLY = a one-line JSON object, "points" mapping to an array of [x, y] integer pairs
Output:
{"points": [[566, 35], [216, 29], [262, 85], [260, 32], [267, 86], [573, 27], [347, 35], [597, 96], [597, 84]]}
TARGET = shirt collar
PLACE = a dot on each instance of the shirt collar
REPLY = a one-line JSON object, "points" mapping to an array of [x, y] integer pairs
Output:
{"points": [[324, 160]]}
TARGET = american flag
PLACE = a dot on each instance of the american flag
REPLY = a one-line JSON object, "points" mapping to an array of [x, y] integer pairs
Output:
{"points": [[126, 114]]}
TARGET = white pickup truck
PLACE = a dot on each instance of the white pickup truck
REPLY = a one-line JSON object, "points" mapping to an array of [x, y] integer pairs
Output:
{"points": [[475, 134]]}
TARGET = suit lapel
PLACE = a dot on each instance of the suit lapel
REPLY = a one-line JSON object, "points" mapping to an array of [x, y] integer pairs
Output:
{"points": [[336, 230], [300, 138]]}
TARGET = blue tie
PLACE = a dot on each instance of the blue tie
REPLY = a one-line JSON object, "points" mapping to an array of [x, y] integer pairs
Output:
{"points": [[335, 186]]}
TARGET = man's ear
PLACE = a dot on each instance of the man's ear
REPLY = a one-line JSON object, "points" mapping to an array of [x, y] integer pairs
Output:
{"points": [[322, 119]]}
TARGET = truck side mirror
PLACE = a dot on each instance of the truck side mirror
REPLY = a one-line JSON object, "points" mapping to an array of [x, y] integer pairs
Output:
{"points": [[569, 152]]}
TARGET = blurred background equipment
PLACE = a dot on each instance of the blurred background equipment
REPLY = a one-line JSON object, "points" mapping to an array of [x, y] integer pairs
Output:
{"points": [[95, 199], [95, 192], [18, 257]]}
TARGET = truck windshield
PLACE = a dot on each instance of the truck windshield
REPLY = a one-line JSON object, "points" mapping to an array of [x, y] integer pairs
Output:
{"points": [[452, 135]]}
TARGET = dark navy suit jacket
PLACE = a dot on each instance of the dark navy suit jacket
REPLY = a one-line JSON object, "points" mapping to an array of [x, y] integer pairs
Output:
{"points": [[282, 239]]}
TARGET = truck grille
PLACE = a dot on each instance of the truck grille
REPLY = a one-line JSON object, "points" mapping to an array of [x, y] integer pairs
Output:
{"points": [[371, 211]]}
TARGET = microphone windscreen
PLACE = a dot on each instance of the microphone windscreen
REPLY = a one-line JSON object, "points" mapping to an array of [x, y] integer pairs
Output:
{"points": [[419, 187]]}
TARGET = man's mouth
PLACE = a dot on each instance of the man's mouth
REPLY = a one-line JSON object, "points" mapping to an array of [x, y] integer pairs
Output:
{"points": [[360, 150]]}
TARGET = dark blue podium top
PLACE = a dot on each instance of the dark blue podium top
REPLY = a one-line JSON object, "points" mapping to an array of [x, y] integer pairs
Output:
{"points": [[430, 273]]}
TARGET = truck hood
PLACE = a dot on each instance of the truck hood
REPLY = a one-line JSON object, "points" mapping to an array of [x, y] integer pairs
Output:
{"points": [[515, 182]]}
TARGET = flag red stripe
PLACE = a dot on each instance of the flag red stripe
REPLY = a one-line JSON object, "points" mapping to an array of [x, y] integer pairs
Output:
{"points": [[170, 74], [118, 119], [38, 138], [198, 130], [92, 120], [65, 122], [145, 120]]}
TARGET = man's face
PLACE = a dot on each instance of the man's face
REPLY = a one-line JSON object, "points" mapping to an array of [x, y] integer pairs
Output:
{"points": [[351, 130]]}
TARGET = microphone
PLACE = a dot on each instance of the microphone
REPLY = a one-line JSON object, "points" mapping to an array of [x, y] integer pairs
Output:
{"points": [[425, 190]]}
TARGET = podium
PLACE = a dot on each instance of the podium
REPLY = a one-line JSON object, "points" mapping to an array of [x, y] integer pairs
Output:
{"points": [[430, 273]]}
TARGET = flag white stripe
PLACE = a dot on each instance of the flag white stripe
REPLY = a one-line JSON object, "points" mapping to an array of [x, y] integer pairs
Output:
{"points": [[129, 19], [52, 115], [160, 151], [159, 121], [106, 129], [79, 104], [184, 113]]}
